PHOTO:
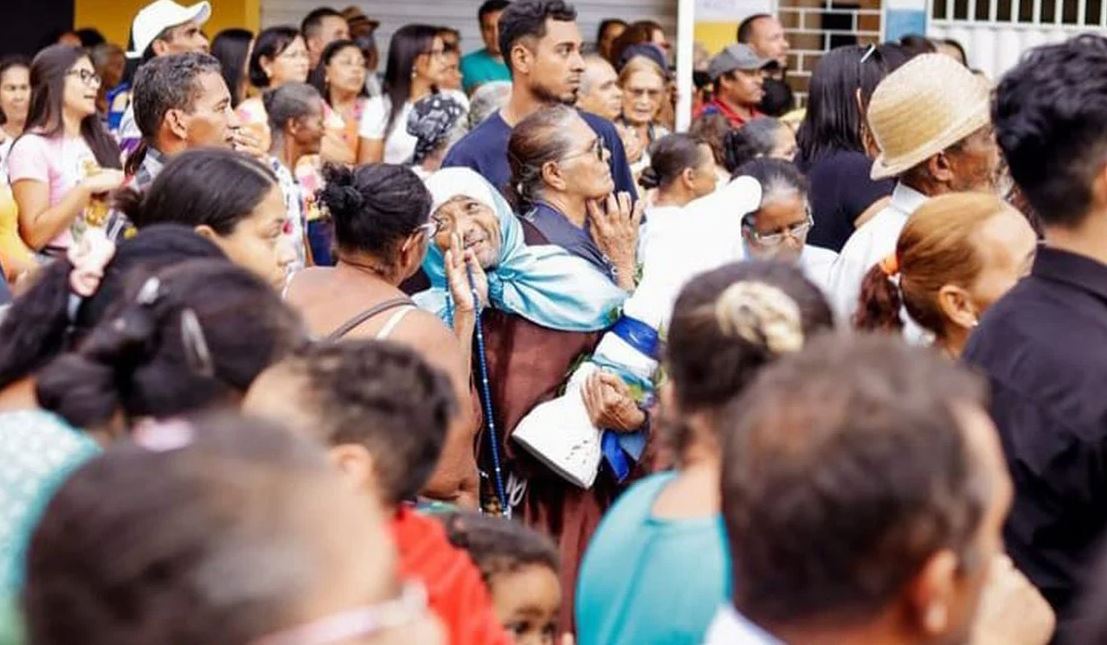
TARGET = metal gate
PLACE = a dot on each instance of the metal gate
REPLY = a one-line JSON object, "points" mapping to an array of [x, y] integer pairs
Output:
{"points": [[995, 33]]}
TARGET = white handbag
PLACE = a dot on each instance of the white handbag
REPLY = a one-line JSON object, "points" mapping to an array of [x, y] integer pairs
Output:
{"points": [[560, 434]]}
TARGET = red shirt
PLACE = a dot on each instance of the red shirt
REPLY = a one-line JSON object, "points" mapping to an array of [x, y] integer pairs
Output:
{"points": [[455, 589], [717, 106]]}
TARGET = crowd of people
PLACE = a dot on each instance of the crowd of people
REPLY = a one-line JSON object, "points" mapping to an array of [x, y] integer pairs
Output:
{"points": [[306, 340]]}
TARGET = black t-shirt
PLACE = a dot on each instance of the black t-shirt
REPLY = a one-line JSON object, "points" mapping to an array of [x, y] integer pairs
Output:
{"points": [[840, 191]]}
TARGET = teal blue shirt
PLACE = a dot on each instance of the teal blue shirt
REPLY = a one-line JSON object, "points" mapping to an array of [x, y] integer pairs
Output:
{"points": [[646, 579], [480, 67], [38, 451]]}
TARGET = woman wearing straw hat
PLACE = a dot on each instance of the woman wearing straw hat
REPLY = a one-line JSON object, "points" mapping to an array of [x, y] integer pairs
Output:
{"points": [[930, 118]]}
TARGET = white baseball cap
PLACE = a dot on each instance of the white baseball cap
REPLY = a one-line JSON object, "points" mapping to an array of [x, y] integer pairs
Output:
{"points": [[158, 16]]}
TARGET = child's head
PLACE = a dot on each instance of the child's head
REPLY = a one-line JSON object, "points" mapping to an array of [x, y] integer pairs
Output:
{"points": [[520, 568]]}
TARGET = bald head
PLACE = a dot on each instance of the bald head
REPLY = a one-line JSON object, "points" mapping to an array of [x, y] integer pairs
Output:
{"points": [[766, 36]]}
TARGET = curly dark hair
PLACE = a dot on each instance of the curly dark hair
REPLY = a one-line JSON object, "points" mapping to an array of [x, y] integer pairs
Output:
{"points": [[384, 397], [1048, 115], [499, 546]]}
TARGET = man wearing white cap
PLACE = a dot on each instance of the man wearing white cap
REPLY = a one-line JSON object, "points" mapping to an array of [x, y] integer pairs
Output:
{"points": [[162, 28], [930, 119]]}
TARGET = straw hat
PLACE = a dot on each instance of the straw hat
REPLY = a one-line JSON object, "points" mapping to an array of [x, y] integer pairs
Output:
{"points": [[922, 108]]}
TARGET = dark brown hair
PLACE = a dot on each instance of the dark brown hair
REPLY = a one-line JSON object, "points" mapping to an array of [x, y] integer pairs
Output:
{"points": [[142, 361], [670, 156], [130, 547], [499, 546], [855, 445], [636, 33], [382, 396], [49, 72]]}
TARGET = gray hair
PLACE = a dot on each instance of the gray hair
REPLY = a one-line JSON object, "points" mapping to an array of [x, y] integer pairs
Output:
{"points": [[487, 99], [288, 102], [779, 180], [169, 83], [586, 78], [762, 133]]}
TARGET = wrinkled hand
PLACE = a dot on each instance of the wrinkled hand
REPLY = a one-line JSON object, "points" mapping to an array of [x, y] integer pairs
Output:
{"points": [[103, 181], [632, 145], [1011, 610], [609, 403], [458, 265], [615, 230]]}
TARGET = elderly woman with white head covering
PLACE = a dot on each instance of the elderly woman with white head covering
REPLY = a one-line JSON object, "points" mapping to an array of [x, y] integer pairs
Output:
{"points": [[544, 309]]}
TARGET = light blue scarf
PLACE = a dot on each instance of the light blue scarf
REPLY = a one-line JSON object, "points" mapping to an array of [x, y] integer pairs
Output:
{"points": [[545, 284]]}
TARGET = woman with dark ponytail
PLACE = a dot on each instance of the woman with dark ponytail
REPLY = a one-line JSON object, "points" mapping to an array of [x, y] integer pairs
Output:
{"points": [[682, 168], [52, 317], [177, 344], [226, 197], [958, 255]]}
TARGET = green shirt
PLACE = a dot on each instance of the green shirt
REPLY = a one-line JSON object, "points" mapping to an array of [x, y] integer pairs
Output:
{"points": [[480, 67]]}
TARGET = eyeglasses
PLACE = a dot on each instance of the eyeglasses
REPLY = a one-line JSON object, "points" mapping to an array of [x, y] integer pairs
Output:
{"points": [[87, 77], [435, 53], [797, 232], [409, 607], [597, 148], [431, 228]]}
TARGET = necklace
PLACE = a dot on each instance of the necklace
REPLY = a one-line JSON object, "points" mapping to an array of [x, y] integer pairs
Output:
{"points": [[370, 269]]}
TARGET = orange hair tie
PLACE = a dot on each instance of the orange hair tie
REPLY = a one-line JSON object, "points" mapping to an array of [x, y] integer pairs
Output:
{"points": [[890, 266]]}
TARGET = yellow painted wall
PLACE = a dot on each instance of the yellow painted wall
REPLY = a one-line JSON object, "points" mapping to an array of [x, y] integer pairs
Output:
{"points": [[715, 35], [113, 17]]}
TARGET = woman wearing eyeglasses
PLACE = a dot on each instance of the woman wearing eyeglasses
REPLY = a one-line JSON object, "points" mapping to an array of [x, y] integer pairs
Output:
{"points": [[416, 67], [645, 87], [778, 228], [65, 163], [561, 184], [382, 226]]}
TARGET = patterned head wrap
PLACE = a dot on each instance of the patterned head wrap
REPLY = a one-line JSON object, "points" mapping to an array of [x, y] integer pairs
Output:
{"points": [[431, 122]]}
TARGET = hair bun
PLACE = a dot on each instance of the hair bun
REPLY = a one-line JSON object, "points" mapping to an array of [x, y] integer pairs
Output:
{"points": [[340, 194], [649, 179], [761, 314], [352, 199]]}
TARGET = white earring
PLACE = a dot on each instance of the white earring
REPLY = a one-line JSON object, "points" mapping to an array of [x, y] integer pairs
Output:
{"points": [[936, 618]]}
